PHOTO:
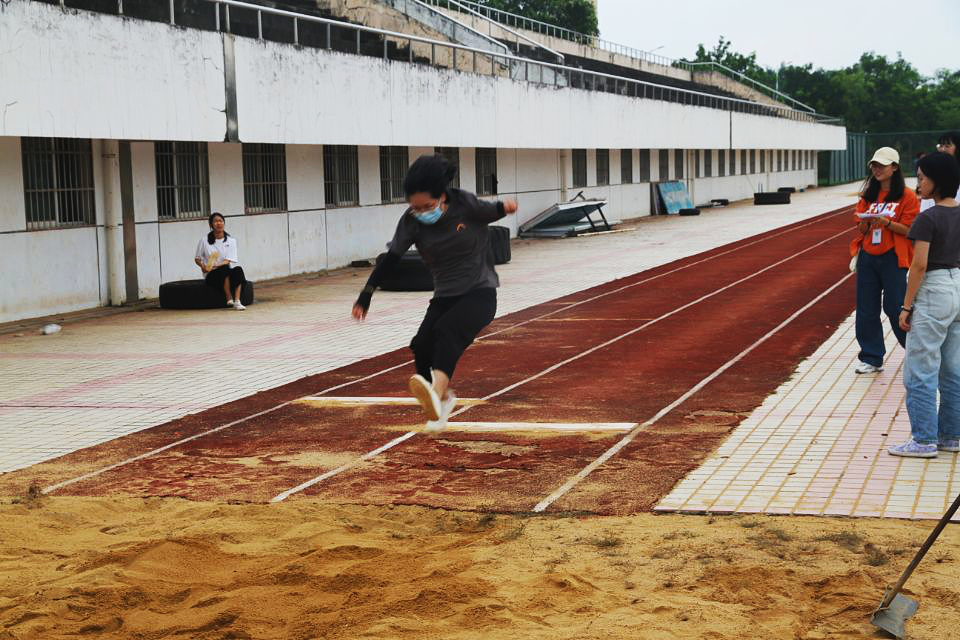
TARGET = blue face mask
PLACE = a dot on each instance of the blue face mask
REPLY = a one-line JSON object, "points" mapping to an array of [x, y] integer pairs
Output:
{"points": [[430, 217]]}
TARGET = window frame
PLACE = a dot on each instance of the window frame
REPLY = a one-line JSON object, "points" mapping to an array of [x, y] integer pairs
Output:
{"points": [[486, 158], [626, 166], [340, 188], [578, 168], [59, 187], [603, 168], [255, 158], [170, 193], [394, 162]]}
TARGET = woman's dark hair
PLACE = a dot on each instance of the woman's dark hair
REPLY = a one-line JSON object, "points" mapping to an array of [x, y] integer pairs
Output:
{"points": [[944, 171], [429, 174], [210, 237], [871, 190], [951, 137]]}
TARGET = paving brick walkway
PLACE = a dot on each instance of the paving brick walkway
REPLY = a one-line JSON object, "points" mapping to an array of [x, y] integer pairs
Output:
{"points": [[819, 446]]}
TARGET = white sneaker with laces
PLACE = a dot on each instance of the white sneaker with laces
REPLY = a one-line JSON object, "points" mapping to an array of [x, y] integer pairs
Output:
{"points": [[425, 394], [238, 305], [446, 406], [863, 367]]}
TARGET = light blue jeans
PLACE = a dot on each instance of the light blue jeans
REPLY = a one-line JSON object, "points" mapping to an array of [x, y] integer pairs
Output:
{"points": [[932, 360]]}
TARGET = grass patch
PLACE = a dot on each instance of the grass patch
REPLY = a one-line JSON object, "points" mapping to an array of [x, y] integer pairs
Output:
{"points": [[780, 534], [32, 498], [874, 556], [513, 533], [849, 540], [606, 542], [750, 524], [662, 553], [673, 535]]}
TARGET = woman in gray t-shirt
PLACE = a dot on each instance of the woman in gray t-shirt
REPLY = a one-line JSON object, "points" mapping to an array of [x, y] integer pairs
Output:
{"points": [[931, 315], [449, 228]]}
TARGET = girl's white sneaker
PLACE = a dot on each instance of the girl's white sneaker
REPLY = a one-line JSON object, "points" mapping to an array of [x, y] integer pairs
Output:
{"points": [[425, 394]]}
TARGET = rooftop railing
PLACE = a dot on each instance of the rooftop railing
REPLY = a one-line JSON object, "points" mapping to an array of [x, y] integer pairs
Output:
{"points": [[315, 31]]}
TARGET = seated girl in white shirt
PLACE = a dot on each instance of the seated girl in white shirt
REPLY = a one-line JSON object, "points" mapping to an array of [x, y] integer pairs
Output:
{"points": [[217, 258]]}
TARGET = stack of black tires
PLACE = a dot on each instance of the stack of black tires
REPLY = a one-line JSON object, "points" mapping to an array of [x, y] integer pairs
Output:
{"points": [[412, 274]]}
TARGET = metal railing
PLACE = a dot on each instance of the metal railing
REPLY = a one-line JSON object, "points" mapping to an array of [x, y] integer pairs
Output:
{"points": [[465, 58], [554, 31], [464, 8], [529, 24]]}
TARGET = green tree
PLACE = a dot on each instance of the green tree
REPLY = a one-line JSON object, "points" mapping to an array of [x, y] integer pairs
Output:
{"points": [[577, 15]]}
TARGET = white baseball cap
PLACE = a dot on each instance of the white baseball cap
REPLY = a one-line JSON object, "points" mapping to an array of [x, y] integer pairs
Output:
{"points": [[885, 156]]}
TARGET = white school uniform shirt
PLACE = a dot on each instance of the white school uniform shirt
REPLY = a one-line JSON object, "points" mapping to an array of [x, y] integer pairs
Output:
{"points": [[226, 249]]}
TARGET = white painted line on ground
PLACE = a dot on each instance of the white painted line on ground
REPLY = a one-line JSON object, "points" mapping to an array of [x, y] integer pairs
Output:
{"points": [[177, 443], [349, 401], [540, 426], [612, 451], [554, 367]]}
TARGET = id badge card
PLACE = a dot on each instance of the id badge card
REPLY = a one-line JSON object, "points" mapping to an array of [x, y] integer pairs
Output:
{"points": [[877, 236]]}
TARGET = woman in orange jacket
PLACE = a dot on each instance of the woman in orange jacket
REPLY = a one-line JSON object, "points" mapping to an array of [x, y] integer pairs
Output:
{"points": [[884, 213]]}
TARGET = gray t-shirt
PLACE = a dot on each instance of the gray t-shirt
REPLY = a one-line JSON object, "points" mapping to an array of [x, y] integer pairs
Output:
{"points": [[456, 247], [940, 226]]}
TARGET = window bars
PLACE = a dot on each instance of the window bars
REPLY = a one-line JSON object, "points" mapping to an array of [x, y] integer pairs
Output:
{"points": [[603, 167], [341, 185], [486, 171], [644, 165], [452, 154], [678, 155], [183, 180], [578, 159], [393, 167], [58, 182], [663, 162], [626, 166], [264, 178]]}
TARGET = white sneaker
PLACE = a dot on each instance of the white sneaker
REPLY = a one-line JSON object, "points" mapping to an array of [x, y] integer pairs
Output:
{"points": [[230, 303], [863, 367], [446, 406], [238, 305], [425, 394]]}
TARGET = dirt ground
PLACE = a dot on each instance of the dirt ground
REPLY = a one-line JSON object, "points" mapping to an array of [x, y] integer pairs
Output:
{"points": [[170, 568]]}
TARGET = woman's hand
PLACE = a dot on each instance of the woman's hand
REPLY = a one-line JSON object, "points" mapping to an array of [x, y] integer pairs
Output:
{"points": [[905, 320], [510, 206], [359, 312]]}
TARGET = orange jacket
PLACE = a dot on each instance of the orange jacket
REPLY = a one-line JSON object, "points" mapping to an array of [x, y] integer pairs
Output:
{"points": [[906, 212]]}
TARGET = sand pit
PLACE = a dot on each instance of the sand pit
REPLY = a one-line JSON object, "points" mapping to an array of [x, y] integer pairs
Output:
{"points": [[159, 568]]}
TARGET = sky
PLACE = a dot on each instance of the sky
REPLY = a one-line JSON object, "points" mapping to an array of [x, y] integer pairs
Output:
{"points": [[828, 33]]}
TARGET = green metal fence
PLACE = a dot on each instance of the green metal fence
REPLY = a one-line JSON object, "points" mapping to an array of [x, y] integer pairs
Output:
{"points": [[850, 164]]}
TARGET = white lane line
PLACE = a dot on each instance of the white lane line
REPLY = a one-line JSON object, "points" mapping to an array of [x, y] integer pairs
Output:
{"points": [[554, 367], [612, 451], [177, 443], [355, 401], [539, 426]]}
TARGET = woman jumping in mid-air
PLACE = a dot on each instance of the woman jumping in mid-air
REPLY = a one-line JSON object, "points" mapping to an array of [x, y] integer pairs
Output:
{"points": [[449, 228]]}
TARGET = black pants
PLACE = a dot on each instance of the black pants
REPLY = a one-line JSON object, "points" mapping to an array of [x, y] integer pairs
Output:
{"points": [[450, 326], [216, 277]]}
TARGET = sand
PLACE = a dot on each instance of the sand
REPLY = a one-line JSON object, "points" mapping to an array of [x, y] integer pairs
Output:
{"points": [[171, 568]]}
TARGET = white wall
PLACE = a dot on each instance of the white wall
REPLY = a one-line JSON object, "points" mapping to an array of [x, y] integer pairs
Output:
{"points": [[143, 80]]}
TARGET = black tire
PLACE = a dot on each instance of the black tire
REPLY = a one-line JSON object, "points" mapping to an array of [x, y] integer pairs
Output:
{"points": [[500, 244], [720, 202], [787, 190], [690, 212], [772, 197], [195, 294], [410, 274]]}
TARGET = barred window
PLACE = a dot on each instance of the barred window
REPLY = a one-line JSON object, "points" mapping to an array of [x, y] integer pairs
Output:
{"points": [[644, 165], [708, 163], [183, 179], [678, 164], [58, 182], [579, 159], [779, 159], [796, 164], [763, 160], [452, 154], [743, 161], [753, 160], [393, 167], [341, 183], [486, 171], [264, 178], [626, 166], [603, 166], [697, 169], [722, 162], [664, 162], [733, 163]]}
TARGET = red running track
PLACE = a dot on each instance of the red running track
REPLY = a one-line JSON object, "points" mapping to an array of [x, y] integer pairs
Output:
{"points": [[620, 352]]}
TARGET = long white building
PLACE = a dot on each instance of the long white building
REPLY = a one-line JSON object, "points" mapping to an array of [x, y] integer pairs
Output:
{"points": [[119, 134]]}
